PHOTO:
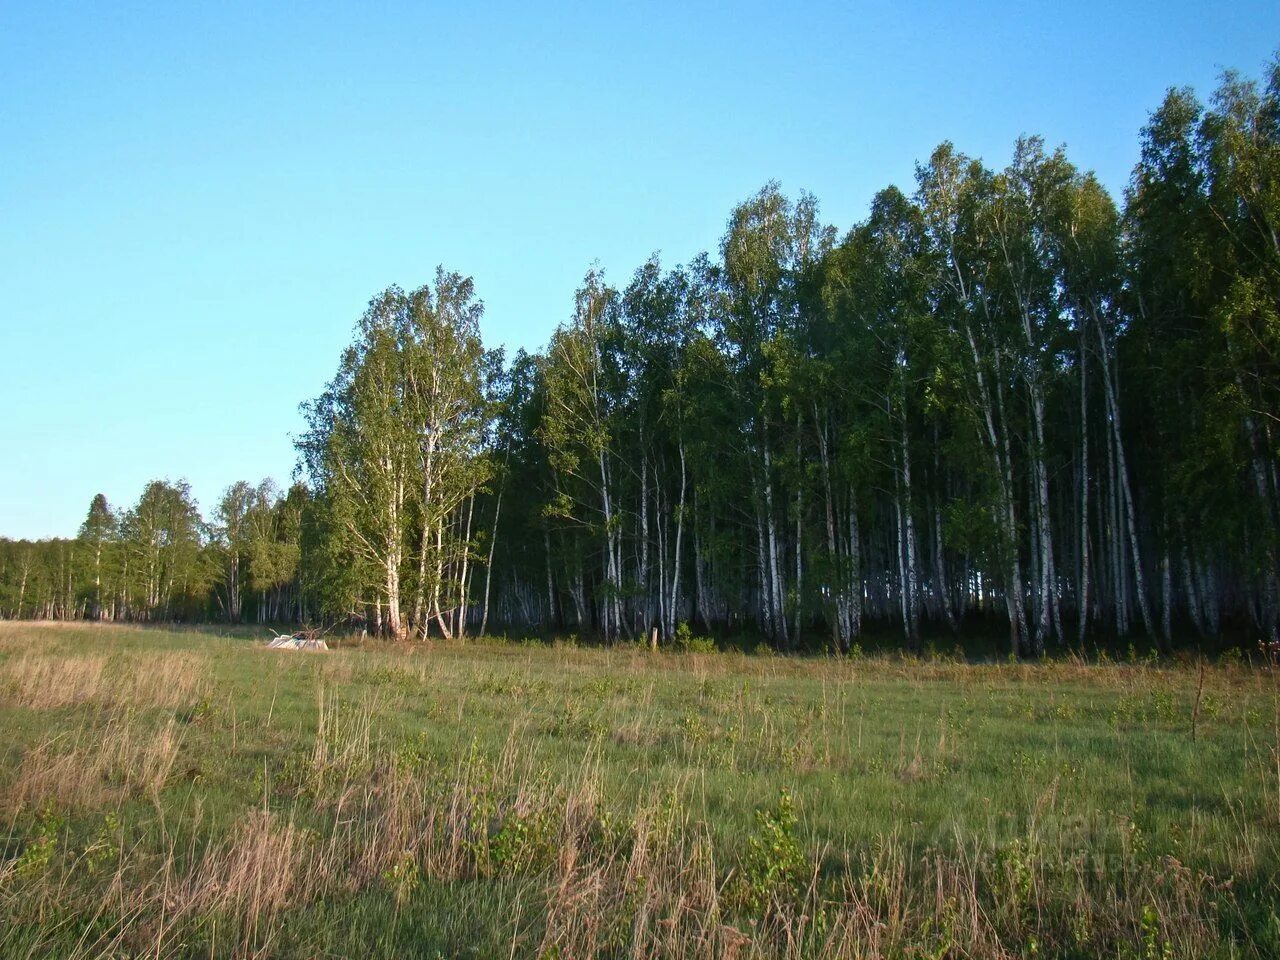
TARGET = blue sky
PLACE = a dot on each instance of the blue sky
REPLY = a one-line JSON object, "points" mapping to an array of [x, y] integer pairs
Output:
{"points": [[197, 200]]}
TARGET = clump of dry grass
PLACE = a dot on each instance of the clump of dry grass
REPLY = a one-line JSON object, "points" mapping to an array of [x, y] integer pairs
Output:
{"points": [[266, 866], [40, 681], [46, 681], [97, 766]]}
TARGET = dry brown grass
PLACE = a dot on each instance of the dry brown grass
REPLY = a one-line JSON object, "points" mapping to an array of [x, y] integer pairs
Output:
{"points": [[47, 680], [98, 766], [41, 681], [266, 866]]}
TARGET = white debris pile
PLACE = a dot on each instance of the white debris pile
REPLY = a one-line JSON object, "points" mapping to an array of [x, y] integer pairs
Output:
{"points": [[304, 640]]}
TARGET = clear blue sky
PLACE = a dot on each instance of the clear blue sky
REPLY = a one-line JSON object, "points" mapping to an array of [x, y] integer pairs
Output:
{"points": [[197, 200]]}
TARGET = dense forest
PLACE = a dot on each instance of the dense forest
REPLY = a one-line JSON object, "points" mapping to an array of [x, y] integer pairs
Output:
{"points": [[1003, 405]]}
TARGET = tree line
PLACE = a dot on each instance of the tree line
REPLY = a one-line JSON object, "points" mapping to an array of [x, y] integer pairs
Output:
{"points": [[1001, 399], [160, 560]]}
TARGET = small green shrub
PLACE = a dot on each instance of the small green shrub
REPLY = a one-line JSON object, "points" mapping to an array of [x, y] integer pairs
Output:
{"points": [[524, 842], [774, 867], [686, 642], [104, 848], [404, 876], [38, 856], [1154, 946]]}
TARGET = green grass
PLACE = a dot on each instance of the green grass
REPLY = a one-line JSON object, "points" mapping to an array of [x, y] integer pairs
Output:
{"points": [[187, 793]]}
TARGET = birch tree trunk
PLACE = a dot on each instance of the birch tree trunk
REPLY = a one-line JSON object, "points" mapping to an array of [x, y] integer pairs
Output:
{"points": [[1082, 586], [1131, 524], [675, 564], [463, 598], [910, 599], [838, 615], [776, 594], [488, 570], [799, 534]]}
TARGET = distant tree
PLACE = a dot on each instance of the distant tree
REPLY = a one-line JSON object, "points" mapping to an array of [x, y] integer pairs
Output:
{"points": [[163, 534], [97, 533], [394, 448], [231, 531]]}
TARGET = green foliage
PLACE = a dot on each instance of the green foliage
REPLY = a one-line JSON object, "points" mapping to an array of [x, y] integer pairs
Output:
{"points": [[525, 841], [404, 877], [684, 641], [1154, 946], [38, 856], [104, 848], [774, 868]]}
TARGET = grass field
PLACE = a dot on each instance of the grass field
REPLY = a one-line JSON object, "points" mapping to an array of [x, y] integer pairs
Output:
{"points": [[172, 794]]}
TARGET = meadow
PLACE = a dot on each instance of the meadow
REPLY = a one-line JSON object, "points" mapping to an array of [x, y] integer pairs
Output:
{"points": [[184, 793]]}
